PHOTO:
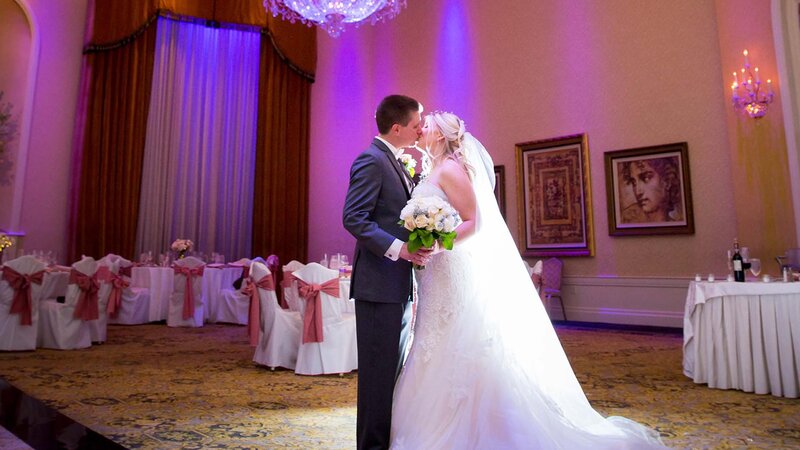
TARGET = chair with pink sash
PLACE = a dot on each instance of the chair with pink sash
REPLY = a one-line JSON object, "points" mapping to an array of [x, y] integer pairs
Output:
{"points": [[98, 328], [65, 325], [280, 329], [232, 305], [291, 297], [186, 308], [329, 335], [19, 303], [127, 305]]}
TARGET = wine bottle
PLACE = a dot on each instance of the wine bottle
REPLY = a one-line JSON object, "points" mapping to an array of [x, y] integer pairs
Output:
{"points": [[737, 262]]}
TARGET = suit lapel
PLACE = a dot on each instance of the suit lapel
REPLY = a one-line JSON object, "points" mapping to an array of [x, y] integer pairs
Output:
{"points": [[399, 170]]}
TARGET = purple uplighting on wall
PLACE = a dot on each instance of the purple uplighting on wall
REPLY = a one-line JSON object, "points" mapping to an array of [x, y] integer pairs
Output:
{"points": [[455, 71]]}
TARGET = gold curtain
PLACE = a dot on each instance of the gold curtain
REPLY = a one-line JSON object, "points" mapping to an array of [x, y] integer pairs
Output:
{"points": [[112, 150], [111, 126], [280, 203]]}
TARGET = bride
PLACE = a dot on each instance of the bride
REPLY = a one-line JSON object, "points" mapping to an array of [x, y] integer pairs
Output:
{"points": [[486, 369]]}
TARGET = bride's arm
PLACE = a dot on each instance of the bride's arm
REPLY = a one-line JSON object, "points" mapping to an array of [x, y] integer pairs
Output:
{"points": [[455, 182]]}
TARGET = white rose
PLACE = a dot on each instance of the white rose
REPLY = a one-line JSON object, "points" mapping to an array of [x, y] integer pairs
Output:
{"points": [[410, 224], [449, 224], [421, 221]]}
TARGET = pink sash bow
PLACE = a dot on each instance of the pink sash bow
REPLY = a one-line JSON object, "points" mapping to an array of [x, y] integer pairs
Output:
{"points": [[312, 318], [188, 294], [21, 284], [118, 285], [87, 307], [254, 316]]}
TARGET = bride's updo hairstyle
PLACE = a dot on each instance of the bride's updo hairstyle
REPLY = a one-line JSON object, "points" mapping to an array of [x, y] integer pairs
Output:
{"points": [[452, 129]]}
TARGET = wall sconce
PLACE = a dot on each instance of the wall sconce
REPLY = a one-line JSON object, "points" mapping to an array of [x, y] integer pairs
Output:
{"points": [[754, 101]]}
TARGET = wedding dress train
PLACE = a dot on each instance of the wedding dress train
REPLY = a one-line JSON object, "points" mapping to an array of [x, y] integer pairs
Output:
{"points": [[486, 369]]}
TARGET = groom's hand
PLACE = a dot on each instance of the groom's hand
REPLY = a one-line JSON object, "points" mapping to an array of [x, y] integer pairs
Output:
{"points": [[420, 257]]}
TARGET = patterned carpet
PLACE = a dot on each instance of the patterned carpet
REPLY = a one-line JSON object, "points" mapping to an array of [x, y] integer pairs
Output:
{"points": [[162, 388]]}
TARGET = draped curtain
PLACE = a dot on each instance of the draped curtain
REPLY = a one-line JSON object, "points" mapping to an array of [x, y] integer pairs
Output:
{"points": [[111, 127], [199, 156]]}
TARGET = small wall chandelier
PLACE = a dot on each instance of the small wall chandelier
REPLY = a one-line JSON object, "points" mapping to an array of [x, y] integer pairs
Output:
{"points": [[333, 15], [754, 100]]}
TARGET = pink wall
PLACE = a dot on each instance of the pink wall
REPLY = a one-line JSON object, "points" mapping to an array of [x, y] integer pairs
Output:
{"points": [[46, 180], [627, 73]]}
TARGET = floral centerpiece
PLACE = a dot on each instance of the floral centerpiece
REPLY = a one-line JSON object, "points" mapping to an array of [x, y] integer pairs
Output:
{"points": [[429, 219], [181, 246], [5, 242]]}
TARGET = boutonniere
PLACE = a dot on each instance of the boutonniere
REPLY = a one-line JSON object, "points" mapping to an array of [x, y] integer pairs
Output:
{"points": [[408, 162]]}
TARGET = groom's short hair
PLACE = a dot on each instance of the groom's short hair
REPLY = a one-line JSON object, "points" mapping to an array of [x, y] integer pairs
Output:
{"points": [[395, 109]]}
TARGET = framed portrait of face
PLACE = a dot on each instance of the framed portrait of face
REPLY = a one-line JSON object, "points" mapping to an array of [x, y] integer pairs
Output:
{"points": [[554, 197], [648, 191]]}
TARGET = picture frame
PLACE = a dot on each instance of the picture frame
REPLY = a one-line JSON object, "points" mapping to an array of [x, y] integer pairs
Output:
{"points": [[500, 188], [649, 190], [554, 197]]}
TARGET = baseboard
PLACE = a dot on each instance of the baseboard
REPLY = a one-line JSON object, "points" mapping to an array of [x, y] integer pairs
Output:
{"points": [[645, 301]]}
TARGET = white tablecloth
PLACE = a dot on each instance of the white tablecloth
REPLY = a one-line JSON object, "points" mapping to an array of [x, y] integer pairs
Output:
{"points": [[161, 282], [216, 278], [743, 336]]}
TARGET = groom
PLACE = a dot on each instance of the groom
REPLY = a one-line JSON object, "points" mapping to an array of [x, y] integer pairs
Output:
{"points": [[382, 281]]}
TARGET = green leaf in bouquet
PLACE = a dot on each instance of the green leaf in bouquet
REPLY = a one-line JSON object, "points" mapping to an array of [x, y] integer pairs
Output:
{"points": [[428, 239], [412, 236], [414, 244], [448, 240]]}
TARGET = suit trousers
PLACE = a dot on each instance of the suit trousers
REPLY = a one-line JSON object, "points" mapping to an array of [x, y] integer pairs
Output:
{"points": [[382, 331]]}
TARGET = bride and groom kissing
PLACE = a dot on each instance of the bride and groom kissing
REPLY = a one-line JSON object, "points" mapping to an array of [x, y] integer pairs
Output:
{"points": [[486, 369]]}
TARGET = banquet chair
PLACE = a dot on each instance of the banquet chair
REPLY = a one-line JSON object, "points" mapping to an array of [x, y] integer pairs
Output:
{"points": [[328, 341], [186, 308], [232, 306], [289, 284], [535, 273], [134, 302], [280, 329], [65, 325], [18, 330], [106, 267], [551, 283]]}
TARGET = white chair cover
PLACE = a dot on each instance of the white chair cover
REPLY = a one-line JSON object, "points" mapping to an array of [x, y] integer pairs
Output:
{"points": [[290, 295], [551, 283], [337, 353], [13, 335], [279, 338], [536, 275], [58, 327], [175, 313], [232, 306], [135, 307]]}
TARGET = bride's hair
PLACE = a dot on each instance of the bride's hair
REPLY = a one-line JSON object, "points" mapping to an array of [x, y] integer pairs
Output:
{"points": [[452, 129]]}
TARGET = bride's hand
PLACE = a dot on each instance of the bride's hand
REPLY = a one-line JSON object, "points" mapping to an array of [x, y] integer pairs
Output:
{"points": [[420, 257]]}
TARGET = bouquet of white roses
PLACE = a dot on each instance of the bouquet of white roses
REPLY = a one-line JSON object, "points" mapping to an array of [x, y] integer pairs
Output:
{"points": [[429, 219], [181, 245]]}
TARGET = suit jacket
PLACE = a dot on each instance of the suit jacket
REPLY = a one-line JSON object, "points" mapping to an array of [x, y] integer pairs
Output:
{"points": [[375, 197]]}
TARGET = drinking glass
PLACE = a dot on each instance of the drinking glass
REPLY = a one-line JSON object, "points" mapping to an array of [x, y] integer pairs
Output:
{"points": [[343, 259], [730, 263], [755, 266]]}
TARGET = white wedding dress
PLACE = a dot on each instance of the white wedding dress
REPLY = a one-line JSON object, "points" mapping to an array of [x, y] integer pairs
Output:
{"points": [[486, 369]]}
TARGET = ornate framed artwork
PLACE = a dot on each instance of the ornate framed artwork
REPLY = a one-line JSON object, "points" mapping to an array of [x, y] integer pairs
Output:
{"points": [[554, 197], [648, 191], [500, 188]]}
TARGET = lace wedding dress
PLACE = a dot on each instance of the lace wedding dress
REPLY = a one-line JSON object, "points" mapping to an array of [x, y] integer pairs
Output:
{"points": [[486, 369]]}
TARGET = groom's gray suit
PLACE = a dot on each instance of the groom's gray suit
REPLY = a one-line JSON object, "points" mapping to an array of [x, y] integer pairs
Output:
{"points": [[379, 189]]}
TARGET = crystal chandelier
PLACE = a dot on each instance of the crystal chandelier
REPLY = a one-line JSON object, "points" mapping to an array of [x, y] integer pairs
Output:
{"points": [[754, 100], [333, 15]]}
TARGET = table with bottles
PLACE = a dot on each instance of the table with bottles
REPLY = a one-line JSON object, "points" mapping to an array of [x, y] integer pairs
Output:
{"points": [[743, 336]]}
